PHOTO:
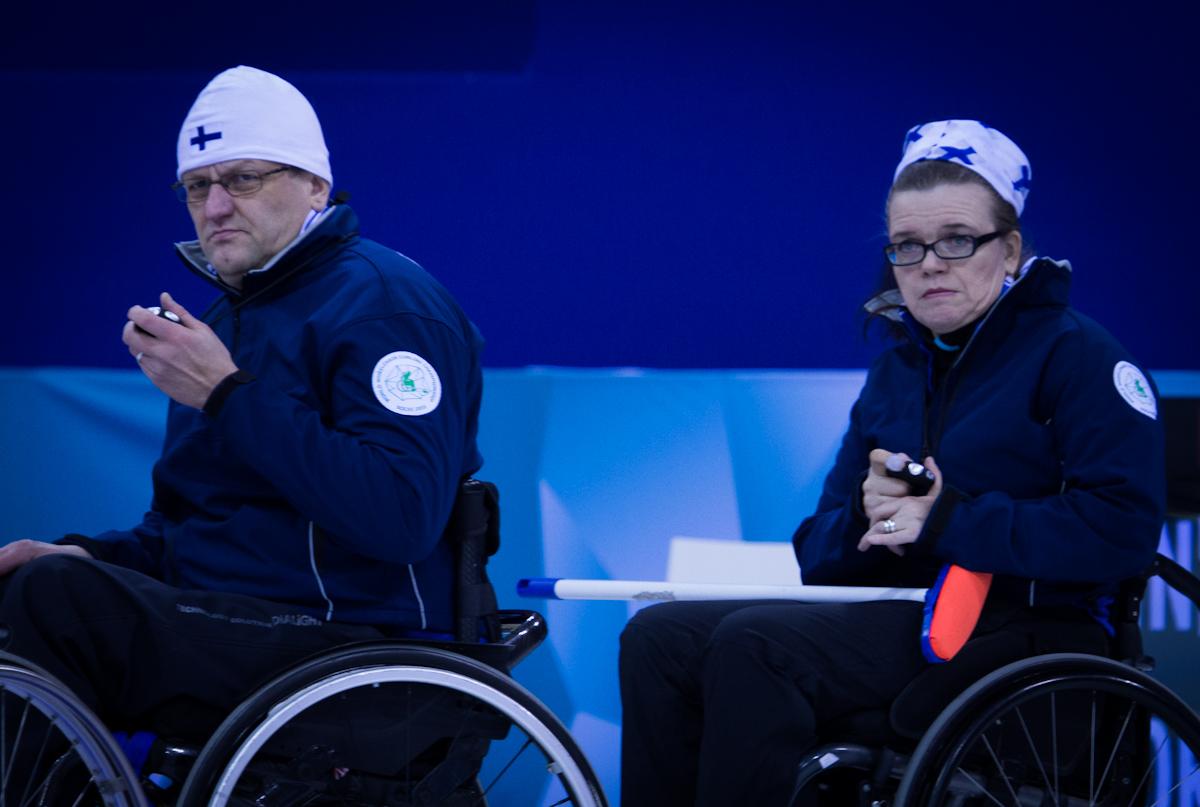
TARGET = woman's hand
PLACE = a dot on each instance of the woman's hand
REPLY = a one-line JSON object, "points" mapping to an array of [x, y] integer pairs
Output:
{"points": [[882, 494], [896, 517]]}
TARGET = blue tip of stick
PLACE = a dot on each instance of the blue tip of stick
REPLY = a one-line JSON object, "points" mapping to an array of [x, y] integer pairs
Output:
{"points": [[539, 587]]}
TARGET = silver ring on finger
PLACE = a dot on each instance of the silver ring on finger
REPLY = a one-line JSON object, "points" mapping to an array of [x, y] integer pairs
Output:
{"points": [[889, 526], [138, 357]]}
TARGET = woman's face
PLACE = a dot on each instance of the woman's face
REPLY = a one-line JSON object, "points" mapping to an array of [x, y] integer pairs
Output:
{"points": [[942, 294]]}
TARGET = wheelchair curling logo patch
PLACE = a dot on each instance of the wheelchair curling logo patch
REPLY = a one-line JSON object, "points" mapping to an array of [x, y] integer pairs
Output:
{"points": [[1135, 389], [406, 384]]}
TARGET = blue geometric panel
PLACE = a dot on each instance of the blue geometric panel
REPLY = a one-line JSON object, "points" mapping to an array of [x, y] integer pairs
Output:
{"points": [[636, 458], [601, 740], [784, 433], [76, 448]]}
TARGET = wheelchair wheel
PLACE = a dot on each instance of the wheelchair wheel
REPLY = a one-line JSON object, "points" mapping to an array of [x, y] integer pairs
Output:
{"points": [[1064, 730], [394, 725], [54, 751]]}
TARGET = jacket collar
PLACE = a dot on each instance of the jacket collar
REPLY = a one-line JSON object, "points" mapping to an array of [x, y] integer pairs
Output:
{"points": [[332, 227], [1041, 281]]}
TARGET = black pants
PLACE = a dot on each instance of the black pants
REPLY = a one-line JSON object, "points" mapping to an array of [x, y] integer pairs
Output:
{"points": [[144, 655], [721, 699]]}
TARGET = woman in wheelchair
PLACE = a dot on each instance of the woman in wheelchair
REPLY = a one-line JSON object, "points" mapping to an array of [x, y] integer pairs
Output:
{"points": [[1046, 454]]}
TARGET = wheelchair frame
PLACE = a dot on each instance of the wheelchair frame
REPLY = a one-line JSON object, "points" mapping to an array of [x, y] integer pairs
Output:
{"points": [[230, 751], [960, 757]]}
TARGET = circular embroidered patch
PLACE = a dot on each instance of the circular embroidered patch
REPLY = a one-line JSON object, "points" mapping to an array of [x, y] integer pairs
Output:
{"points": [[406, 384], [1133, 386]]}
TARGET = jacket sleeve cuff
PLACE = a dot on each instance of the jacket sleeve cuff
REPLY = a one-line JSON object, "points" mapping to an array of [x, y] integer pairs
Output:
{"points": [[938, 519], [224, 388]]}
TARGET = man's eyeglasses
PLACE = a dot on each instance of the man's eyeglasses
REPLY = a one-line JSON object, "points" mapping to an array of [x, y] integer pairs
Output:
{"points": [[950, 248], [240, 183]]}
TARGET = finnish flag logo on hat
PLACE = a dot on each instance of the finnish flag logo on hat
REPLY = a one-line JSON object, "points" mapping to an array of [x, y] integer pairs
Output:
{"points": [[200, 140]]}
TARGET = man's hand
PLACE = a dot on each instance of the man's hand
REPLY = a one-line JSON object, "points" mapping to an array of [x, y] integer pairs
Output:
{"points": [[896, 518], [186, 360], [18, 553]]}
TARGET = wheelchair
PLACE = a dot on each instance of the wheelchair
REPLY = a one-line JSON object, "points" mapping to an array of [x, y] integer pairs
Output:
{"points": [[396, 722], [1061, 729], [55, 735]]}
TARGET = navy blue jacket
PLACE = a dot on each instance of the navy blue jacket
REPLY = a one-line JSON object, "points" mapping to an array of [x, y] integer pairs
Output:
{"points": [[327, 481], [1053, 477]]}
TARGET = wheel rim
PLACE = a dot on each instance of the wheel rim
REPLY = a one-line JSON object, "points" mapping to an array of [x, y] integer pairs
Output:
{"points": [[72, 740], [1137, 745], [560, 761]]}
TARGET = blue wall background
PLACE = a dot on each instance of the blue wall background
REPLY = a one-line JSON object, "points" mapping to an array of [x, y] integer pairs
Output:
{"points": [[657, 184]]}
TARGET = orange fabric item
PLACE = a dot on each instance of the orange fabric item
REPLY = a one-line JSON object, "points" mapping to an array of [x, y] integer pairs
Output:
{"points": [[952, 609]]}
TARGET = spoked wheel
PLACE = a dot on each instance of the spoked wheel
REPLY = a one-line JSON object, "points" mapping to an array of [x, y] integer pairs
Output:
{"points": [[392, 725], [54, 751], [1062, 730]]}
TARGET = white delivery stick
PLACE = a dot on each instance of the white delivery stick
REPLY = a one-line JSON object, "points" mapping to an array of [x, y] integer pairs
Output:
{"points": [[562, 588]]}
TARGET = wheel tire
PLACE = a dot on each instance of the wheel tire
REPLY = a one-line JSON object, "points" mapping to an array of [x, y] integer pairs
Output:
{"points": [[63, 740], [1136, 727], [232, 749]]}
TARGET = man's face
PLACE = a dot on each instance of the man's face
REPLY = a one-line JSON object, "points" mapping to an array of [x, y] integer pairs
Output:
{"points": [[240, 233]]}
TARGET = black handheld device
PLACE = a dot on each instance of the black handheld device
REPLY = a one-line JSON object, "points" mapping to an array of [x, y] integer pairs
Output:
{"points": [[159, 312], [919, 478]]}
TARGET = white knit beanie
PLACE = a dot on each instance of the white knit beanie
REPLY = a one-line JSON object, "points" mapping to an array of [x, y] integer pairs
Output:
{"points": [[246, 113]]}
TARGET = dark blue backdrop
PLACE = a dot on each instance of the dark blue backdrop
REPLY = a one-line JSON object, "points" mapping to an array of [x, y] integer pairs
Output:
{"points": [[653, 183]]}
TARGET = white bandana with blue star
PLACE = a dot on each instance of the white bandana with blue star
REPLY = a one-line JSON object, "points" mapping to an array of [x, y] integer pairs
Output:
{"points": [[984, 150]]}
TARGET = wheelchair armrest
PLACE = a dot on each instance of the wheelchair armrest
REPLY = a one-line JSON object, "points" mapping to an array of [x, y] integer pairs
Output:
{"points": [[520, 633], [1177, 577]]}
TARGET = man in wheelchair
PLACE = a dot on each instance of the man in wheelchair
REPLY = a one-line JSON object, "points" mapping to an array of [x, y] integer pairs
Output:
{"points": [[322, 415]]}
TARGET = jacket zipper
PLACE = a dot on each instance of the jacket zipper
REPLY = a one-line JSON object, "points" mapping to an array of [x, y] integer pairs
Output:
{"points": [[929, 440]]}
